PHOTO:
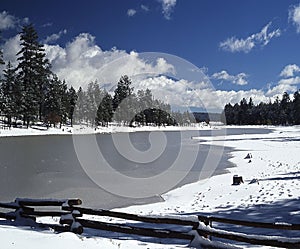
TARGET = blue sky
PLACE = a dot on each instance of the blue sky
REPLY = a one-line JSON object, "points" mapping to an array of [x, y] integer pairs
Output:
{"points": [[246, 48]]}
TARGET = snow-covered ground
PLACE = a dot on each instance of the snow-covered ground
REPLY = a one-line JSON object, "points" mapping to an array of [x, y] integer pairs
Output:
{"points": [[275, 163], [83, 129]]}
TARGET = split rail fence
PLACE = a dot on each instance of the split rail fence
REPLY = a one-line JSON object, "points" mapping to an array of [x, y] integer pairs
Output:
{"points": [[70, 213]]}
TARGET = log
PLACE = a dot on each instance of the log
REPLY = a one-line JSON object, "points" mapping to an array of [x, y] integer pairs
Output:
{"points": [[250, 223], [259, 240], [156, 233], [158, 220], [14, 205], [48, 202]]}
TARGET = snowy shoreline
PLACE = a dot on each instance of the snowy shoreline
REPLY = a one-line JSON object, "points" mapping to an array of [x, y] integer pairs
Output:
{"points": [[275, 163], [84, 130]]}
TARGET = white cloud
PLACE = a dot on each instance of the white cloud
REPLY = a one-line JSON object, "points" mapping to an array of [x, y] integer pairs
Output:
{"points": [[167, 7], [239, 79], [131, 12], [262, 38], [280, 89], [290, 81], [10, 48], [54, 37], [145, 7], [290, 70], [82, 61], [7, 21], [187, 94], [294, 16]]}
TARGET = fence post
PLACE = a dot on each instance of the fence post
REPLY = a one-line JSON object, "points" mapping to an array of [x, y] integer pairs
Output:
{"points": [[70, 218]]}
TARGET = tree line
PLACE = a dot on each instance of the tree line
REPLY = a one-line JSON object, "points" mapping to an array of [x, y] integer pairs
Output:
{"points": [[284, 111], [30, 93]]}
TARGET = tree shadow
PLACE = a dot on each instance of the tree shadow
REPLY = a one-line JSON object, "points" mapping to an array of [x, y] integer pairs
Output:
{"points": [[284, 211], [97, 233], [284, 176]]}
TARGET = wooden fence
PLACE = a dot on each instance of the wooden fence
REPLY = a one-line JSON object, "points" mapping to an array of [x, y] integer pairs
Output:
{"points": [[26, 212]]}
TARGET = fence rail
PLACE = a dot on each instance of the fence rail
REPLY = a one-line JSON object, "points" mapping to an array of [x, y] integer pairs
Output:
{"points": [[187, 228], [280, 226]]}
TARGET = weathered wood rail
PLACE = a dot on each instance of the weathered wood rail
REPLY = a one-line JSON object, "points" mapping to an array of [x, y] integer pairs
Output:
{"points": [[279, 226], [199, 228]]}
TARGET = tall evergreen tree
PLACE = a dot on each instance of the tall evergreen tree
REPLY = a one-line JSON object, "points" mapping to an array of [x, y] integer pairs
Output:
{"points": [[1, 54], [72, 99], [122, 95], [296, 108], [285, 109], [94, 97], [9, 93], [54, 101], [33, 70], [80, 110], [122, 91], [105, 110]]}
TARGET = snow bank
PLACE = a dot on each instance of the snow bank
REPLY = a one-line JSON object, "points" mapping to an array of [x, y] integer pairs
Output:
{"points": [[82, 129]]}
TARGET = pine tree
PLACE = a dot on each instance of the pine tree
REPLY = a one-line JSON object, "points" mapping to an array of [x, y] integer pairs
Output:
{"points": [[105, 110], [65, 103], [33, 71], [1, 54], [285, 109], [122, 95], [94, 96], [70, 105], [80, 110], [1, 58], [54, 101], [9, 93], [122, 91], [91, 106], [296, 108]]}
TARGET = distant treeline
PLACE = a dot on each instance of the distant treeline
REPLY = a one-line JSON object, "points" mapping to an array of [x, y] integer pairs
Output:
{"points": [[280, 112], [32, 93]]}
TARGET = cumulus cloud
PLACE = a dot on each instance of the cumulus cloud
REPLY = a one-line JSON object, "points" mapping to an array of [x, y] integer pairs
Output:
{"points": [[239, 79], [190, 94], [288, 82], [279, 89], [82, 61], [294, 16], [7, 21], [290, 70], [54, 37], [10, 48], [167, 7], [131, 12], [245, 45]]}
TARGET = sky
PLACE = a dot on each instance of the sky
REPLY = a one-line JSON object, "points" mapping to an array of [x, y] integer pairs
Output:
{"points": [[194, 53]]}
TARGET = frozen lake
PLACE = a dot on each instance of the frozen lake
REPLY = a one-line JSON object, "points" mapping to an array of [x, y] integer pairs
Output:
{"points": [[48, 167]]}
